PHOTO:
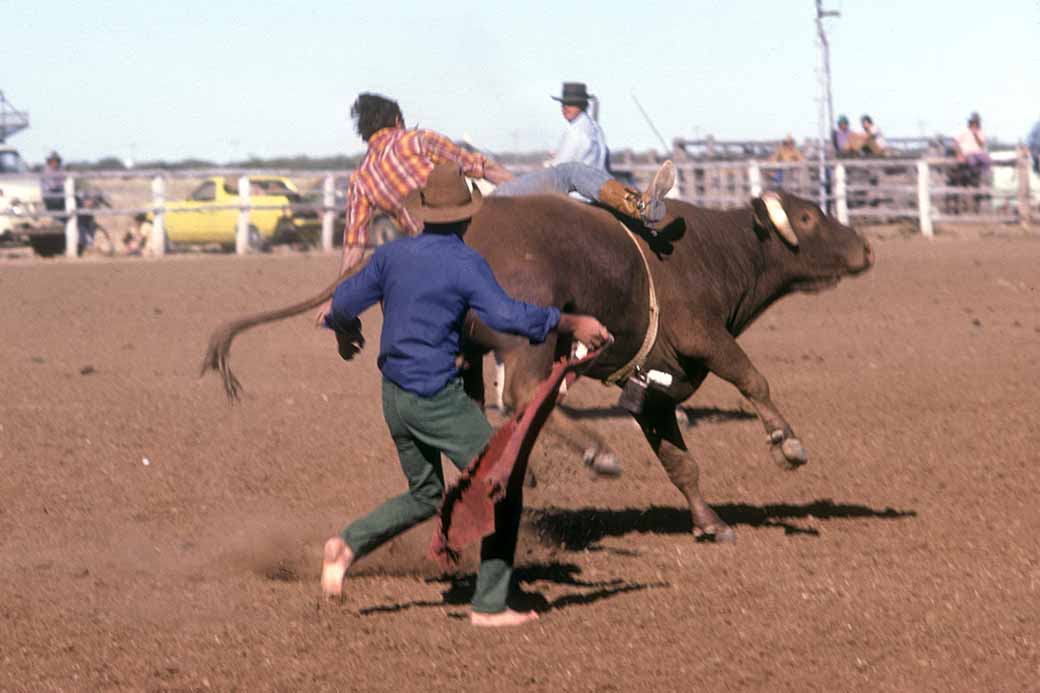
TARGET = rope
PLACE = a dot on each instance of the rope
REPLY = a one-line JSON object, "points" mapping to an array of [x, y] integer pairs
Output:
{"points": [[650, 338]]}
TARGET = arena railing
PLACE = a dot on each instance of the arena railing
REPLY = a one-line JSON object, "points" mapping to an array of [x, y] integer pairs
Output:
{"points": [[926, 190]]}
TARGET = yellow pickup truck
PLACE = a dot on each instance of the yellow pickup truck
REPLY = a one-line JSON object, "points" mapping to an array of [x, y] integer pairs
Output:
{"points": [[210, 214]]}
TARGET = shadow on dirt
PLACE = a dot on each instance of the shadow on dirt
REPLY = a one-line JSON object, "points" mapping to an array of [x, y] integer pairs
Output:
{"points": [[694, 415], [577, 530], [460, 589]]}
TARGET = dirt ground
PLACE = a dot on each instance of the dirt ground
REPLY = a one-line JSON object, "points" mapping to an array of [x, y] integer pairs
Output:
{"points": [[154, 538]]}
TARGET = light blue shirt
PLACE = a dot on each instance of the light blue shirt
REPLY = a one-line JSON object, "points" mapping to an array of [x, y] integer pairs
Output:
{"points": [[582, 142]]}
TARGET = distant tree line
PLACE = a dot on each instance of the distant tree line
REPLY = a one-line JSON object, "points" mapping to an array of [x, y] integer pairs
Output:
{"points": [[299, 162]]}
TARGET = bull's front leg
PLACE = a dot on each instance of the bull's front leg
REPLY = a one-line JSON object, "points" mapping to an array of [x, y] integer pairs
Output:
{"points": [[727, 360], [662, 432]]}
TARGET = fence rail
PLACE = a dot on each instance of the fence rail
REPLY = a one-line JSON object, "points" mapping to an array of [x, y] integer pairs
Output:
{"points": [[924, 190]]}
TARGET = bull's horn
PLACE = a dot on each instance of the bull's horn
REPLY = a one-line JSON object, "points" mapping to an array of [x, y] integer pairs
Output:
{"points": [[778, 216]]}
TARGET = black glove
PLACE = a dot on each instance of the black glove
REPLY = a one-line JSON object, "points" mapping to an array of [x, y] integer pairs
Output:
{"points": [[349, 339]]}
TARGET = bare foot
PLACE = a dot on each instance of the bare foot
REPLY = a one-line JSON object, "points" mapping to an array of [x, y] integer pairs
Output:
{"points": [[337, 558], [502, 618]]}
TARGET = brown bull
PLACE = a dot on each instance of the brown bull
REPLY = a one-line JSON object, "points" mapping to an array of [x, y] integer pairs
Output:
{"points": [[713, 273]]}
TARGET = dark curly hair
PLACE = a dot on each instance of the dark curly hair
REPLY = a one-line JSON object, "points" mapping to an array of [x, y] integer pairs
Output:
{"points": [[372, 112]]}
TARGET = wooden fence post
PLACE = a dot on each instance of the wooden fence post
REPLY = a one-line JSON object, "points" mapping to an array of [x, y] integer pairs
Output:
{"points": [[157, 241], [1024, 198], [72, 222], [841, 200], [754, 177], [924, 199], [802, 184], [242, 231], [328, 217]]}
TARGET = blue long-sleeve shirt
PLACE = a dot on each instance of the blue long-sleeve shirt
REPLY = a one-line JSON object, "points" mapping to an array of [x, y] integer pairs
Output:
{"points": [[426, 284]]}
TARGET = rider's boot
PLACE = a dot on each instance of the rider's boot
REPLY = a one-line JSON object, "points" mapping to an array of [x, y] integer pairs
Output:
{"points": [[648, 207]]}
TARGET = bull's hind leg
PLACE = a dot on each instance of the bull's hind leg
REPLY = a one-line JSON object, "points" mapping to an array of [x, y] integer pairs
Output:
{"points": [[527, 366], [500, 383], [662, 432]]}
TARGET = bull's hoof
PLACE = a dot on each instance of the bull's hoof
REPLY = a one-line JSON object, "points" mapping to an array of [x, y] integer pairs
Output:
{"points": [[602, 463], [719, 534], [789, 455], [794, 452]]}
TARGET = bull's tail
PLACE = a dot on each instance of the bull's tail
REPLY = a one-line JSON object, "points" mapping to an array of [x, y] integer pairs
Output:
{"points": [[219, 349]]}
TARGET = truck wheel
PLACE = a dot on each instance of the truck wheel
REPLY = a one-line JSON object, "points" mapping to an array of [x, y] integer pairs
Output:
{"points": [[48, 246], [257, 243]]}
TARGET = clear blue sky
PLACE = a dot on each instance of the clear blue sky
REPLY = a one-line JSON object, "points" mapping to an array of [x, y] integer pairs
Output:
{"points": [[224, 80]]}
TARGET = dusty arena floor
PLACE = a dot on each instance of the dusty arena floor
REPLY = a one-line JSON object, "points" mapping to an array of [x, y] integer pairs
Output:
{"points": [[154, 538]]}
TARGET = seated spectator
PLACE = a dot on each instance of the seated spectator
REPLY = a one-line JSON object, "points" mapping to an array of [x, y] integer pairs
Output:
{"points": [[787, 152], [970, 146], [849, 143], [875, 143], [1033, 142], [843, 137]]}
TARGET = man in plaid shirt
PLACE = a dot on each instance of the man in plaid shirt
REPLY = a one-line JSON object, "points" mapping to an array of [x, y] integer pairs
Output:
{"points": [[399, 161]]}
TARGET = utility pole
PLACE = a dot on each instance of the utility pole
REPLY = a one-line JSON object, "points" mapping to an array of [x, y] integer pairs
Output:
{"points": [[825, 103]]}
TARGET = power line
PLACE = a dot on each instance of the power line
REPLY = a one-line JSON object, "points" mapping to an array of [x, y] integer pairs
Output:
{"points": [[650, 123]]}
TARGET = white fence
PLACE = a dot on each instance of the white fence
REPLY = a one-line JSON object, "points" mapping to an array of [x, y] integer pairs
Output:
{"points": [[159, 207], [926, 191]]}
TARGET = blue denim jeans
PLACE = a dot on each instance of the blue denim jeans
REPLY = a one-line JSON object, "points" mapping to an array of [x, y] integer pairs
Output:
{"points": [[562, 178]]}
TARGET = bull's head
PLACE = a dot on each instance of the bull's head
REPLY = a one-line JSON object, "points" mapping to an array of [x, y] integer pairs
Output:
{"points": [[820, 249]]}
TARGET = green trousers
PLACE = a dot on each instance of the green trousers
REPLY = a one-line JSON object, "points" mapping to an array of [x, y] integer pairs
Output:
{"points": [[449, 422]]}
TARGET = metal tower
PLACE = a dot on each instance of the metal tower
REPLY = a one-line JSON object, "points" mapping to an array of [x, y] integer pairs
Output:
{"points": [[11, 120]]}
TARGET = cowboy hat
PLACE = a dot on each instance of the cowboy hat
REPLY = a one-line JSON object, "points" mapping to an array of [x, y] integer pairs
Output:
{"points": [[445, 198], [574, 94]]}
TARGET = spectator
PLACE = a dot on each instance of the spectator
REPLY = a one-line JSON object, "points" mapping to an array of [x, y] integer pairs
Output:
{"points": [[849, 143], [843, 137], [971, 146], [787, 152], [1034, 146], [875, 143], [52, 184]]}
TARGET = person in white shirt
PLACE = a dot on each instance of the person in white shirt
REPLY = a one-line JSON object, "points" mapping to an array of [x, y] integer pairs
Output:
{"points": [[971, 145], [875, 143], [583, 139]]}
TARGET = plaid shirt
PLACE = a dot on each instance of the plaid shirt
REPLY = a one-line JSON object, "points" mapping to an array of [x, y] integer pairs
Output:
{"points": [[398, 161]]}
